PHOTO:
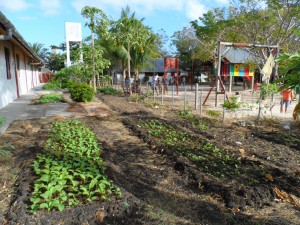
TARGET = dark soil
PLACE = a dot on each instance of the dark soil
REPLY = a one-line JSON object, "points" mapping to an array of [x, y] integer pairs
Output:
{"points": [[161, 186]]}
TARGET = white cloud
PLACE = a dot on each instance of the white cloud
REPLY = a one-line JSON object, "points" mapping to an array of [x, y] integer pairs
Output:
{"points": [[224, 2], [145, 7], [15, 5], [50, 7], [194, 9]]}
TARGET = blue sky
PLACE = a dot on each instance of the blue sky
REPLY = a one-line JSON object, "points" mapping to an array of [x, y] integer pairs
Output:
{"points": [[43, 21]]}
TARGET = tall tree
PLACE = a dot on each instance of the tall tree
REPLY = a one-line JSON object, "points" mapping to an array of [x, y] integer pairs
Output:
{"points": [[129, 32], [97, 18], [185, 42], [250, 21]]}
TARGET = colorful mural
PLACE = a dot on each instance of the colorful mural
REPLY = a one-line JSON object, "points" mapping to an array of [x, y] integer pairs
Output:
{"points": [[238, 69]]}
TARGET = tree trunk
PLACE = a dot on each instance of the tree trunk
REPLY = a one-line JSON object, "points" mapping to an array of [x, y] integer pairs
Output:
{"points": [[93, 61], [128, 66]]}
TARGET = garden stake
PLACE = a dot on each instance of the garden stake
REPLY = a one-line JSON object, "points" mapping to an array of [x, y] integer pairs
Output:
{"points": [[196, 97], [184, 97]]}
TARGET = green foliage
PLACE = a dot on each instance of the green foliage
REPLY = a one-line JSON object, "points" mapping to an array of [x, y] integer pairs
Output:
{"points": [[50, 98], [194, 120], [81, 92], [290, 69], [2, 120], [267, 89], [108, 91], [64, 76], [213, 113], [246, 22], [205, 155], [70, 170], [231, 104], [51, 86]]}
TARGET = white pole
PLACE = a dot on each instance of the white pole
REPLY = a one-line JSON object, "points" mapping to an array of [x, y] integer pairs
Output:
{"points": [[230, 83], [172, 96], [184, 97], [68, 53], [162, 95], [196, 97], [201, 102], [224, 110], [218, 74]]}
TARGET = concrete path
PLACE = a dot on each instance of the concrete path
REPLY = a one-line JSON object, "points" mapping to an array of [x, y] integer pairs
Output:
{"points": [[22, 109]]}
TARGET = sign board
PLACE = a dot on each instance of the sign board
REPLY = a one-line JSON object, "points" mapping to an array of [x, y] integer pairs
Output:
{"points": [[73, 31]]}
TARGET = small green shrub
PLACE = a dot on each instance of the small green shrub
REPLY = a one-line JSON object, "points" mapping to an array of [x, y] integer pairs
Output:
{"points": [[213, 113], [51, 86], [107, 90], [231, 103], [81, 92], [50, 98], [2, 120]]}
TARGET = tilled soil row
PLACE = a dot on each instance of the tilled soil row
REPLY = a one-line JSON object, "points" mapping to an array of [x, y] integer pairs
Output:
{"points": [[168, 196]]}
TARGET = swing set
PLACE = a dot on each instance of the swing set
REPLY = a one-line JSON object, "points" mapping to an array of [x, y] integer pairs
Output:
{"points": [[237, 70]]}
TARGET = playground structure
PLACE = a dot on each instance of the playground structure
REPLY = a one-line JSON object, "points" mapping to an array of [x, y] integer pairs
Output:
{"points": [[171, 64], [238, 69]]}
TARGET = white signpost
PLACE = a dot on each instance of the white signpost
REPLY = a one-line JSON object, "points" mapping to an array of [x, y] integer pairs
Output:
{"points": [[73, 34]]}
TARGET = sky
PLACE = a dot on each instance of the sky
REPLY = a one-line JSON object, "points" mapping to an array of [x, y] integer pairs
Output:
{"points": [[43, 21]]}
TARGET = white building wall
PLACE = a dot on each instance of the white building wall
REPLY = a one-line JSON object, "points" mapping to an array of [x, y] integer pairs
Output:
{"points": [[28, 76], [22, 73], [8, 87]]}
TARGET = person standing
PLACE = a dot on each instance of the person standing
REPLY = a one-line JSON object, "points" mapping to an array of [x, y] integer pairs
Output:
{"points": [[127, 84], [165, 84], [286, 99]]}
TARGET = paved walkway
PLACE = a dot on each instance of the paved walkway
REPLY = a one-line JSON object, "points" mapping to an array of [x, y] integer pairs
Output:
{"points": [[22, 109]]}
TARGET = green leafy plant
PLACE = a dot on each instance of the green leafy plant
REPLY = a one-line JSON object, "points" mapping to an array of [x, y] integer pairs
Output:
{"points": [[81, 92], [2, 120], [231, 103], [267, 89], [205, 155], [51, 86], [194, 120], [107, 90], [70, 170], [49, 98]]}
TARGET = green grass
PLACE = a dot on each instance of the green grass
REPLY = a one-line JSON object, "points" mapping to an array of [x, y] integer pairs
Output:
{"points": [[50, 98]]}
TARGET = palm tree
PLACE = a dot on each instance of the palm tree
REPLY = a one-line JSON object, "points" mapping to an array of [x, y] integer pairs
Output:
{"points": [[129, 33], [39, 49]]}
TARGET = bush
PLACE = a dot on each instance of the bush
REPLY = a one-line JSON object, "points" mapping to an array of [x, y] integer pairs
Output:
{"points": [[107, 90], [50, 98], [51, 86], [80, 92]]}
